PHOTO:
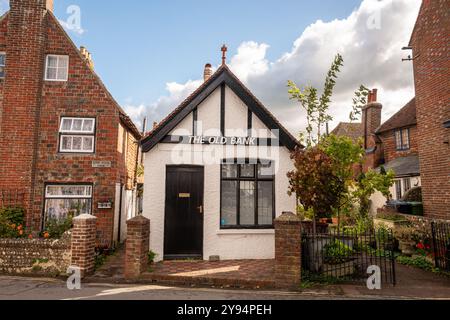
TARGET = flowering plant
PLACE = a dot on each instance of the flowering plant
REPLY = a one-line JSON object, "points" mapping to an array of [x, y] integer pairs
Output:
{"points": [[423, 248]]}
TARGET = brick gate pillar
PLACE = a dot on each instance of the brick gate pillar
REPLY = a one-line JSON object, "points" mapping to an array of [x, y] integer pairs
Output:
{"points": [[288, 251], [137, 246], [84, 236]]}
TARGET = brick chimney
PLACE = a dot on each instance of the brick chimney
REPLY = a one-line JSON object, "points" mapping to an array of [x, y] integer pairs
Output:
{"points": [[371, 118], [49, 5], [87, 57], [22, 92], [208, 72]]}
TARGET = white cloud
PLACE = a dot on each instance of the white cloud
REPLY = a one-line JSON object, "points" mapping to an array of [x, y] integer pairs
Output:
{"points": [[4, 6], [370, 40]]}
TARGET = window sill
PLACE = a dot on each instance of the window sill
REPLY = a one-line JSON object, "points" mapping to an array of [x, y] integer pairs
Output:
{"points": [[245, 231]]}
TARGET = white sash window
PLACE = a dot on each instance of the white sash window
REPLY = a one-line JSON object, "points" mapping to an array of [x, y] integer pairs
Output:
{"points": [[77, 135], [56, 68]]}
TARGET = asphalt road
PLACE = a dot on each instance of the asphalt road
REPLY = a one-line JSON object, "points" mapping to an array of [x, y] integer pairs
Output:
{"points": [[15, 288]]}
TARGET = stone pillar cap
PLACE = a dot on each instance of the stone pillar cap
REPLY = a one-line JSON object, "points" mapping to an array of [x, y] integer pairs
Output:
{"points": [[288, 216], [138, 219], [85, 217]]}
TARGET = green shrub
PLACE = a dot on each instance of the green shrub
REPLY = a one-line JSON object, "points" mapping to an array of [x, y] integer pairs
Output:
{"points": [[151, 257], [337, 252], [418, 262], [11, 222], [55, 228], [13, 215]]}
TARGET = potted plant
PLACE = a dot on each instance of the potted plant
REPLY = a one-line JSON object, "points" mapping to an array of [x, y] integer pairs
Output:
{"points": [[405, 236]]}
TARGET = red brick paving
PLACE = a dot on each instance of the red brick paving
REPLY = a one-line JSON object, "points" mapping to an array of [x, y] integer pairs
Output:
{"points": [[230, 273], [249, 274]]}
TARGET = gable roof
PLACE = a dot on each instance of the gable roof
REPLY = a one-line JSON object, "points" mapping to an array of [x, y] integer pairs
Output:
{"points": [[222, 75], [347, 129], [404, 118], [126, 120]]}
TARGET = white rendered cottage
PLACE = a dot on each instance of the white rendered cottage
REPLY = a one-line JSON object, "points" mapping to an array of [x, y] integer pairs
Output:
{"points": [[215, 174]]}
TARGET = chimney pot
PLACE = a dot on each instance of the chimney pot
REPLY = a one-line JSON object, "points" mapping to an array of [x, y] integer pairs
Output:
{"points": [[207, 72], [374, 95], [49, 5]]}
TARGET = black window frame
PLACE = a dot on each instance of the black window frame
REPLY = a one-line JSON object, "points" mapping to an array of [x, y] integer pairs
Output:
{"points": [[239, 179], [402, 146]]}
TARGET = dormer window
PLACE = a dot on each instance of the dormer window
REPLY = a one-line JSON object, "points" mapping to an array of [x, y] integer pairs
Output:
{"points": [[56, 68], [402, 139], [2, 64]]}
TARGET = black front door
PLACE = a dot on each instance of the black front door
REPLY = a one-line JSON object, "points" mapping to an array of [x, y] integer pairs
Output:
{"points": [[183, 230]]}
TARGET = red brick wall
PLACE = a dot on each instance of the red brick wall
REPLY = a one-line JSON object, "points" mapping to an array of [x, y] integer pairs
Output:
{"points": [[3, 28], [83, 96], [25, 49], [30, 117], [390, 146], [431, 47]]}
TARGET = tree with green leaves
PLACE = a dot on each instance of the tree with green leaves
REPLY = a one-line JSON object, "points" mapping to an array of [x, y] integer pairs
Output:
{"points": [[316, 107], [324, 178], [359, 102]]}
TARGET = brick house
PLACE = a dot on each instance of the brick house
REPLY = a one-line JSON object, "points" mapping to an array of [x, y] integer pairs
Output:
{"points": [[422, 127], [64, 141], [392, 144], [431, 49]]}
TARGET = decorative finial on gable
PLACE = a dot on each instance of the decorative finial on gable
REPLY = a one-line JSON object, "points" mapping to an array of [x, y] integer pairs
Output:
{"points": [[224, 54]]}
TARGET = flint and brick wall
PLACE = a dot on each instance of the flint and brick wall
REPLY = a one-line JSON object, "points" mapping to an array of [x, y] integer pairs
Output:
{"points": [[38, 256], [431, 49]]}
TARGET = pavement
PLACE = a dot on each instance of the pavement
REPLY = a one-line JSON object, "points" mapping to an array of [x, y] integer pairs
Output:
{"points": [[19, 288]]}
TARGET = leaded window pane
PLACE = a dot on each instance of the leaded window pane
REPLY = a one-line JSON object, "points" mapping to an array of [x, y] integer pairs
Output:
{"points": [[229, 203], [247, 203]]}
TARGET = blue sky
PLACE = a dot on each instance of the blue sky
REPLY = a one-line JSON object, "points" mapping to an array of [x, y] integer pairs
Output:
{"points": [[150, 54], [154, 42]]}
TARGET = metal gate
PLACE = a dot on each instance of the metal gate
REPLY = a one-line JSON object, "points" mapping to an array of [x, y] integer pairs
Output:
{"points": [[347, 255], [441, 244]]}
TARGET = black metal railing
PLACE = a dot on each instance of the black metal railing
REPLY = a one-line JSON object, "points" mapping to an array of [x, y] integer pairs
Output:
{"points": [[441, 244], [346, 255]]}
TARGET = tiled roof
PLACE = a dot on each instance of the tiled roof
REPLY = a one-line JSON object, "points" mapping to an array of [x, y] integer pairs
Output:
{"points": [[351, 130], [404, 118], [404, 166]]}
